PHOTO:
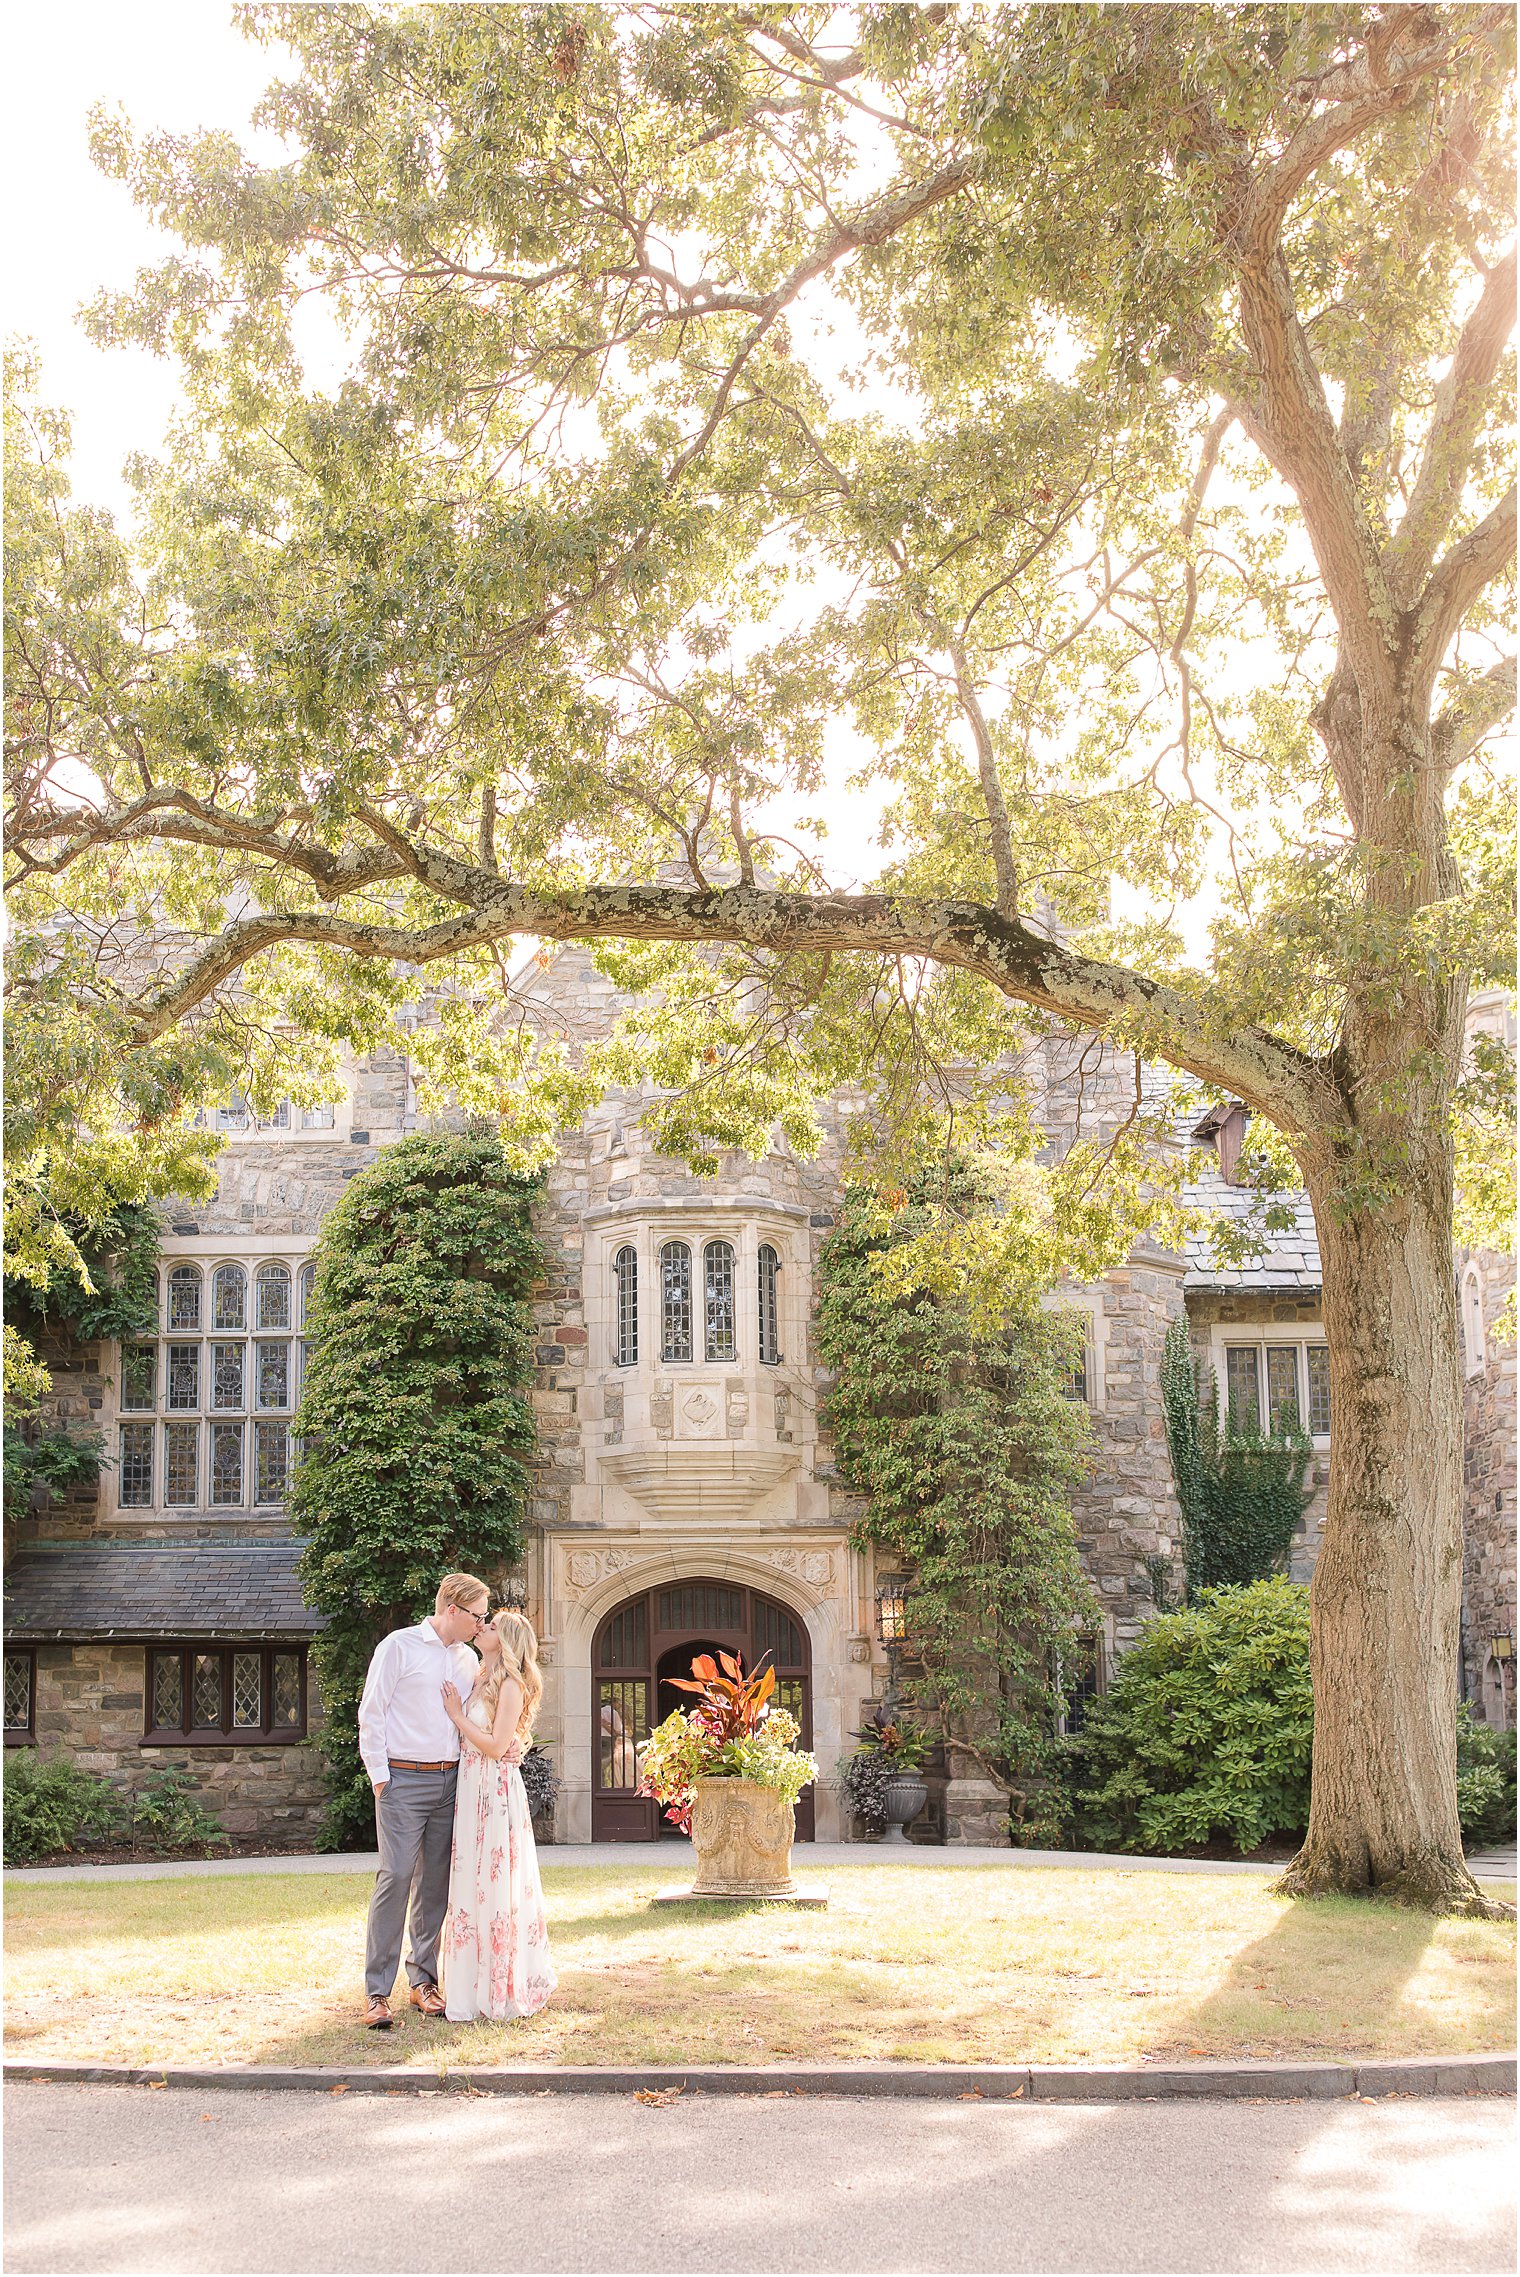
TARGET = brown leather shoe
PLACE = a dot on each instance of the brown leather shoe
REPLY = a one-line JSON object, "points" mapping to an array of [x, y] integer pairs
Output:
{"points": [[428, 1998], [377, 2014]]}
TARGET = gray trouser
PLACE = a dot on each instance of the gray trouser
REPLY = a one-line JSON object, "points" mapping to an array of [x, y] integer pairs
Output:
{"points": [[414, 1817]]}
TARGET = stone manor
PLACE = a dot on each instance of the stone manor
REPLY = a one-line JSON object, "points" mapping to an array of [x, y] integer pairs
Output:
{"points": [[686, 1494]]}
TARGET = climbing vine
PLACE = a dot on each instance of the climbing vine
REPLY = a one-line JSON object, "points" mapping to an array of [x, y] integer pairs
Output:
{"points": [[417, 1427], [1241, 1493], [968, 1446]]}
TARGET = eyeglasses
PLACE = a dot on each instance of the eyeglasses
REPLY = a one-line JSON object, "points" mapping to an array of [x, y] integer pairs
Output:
{"points": [[482, 1620]]}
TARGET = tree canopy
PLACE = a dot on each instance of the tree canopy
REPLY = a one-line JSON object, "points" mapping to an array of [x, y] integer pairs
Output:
{"points": [[1087, 429]]}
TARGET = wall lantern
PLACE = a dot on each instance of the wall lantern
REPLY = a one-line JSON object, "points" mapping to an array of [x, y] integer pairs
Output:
{"points": [[1502, 1647], [892, 1608]]}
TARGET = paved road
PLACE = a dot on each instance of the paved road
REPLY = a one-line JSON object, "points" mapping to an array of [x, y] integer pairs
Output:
{"points": [[133, 2179]]}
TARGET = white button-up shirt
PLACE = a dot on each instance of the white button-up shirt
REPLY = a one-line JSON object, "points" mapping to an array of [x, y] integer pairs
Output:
{"points": [[402, 1711]]}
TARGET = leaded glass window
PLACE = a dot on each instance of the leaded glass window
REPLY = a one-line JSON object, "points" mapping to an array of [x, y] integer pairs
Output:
{"points": [[139, 1367], [18, 1691], [181, 1464], [719, 1340], [206, 1691], [274, 1375], [247, 1691], [770, 1317], [228, 1362], [675, 1301], [274, 1296], [285, 1690], [1317, 1359], [226, 1465], [166, 1690], [1242, 1369], [185, 1376], [317, 1118], [1282, 1386], [307, 1282], [229, 1299], [184, 1296], [271, 1462], [625, 1274], [134, 1485]]}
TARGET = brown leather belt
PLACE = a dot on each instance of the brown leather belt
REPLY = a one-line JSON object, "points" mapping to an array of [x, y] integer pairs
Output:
{"points": [[398, 1765]]}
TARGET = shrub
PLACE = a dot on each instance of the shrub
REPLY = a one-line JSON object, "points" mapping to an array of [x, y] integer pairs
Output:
{"points": [[1206, 1730], [168, 1817], [52, 1805], [1485, 1783], [541, 1780], [862, 1780]]}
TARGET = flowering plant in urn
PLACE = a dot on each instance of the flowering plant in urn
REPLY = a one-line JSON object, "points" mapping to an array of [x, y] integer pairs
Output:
{"points": [[733, 1732]]}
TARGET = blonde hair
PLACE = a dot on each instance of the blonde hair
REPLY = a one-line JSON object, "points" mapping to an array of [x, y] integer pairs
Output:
{"points": [[459, 1589], [517, 1659]]}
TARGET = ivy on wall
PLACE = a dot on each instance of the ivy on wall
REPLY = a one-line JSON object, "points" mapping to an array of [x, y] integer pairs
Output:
{"points": [[415, 1419], [1241, 1493], [968, 1445]]}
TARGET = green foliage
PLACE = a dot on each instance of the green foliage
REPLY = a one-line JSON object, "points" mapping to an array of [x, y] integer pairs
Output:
{"points": [[417, 1427], [1241, 1493], [170, 1821], [862, 1780], [1206, 1730], [1485, 1782], [119, 1252], [968, 1446], [52, 1459], [51, 1805], [682, 1750]]}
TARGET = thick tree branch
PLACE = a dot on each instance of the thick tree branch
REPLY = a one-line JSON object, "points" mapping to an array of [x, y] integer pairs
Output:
{"points": [[1462, 398], [1455, 583], [1471, 714], [1249, 1062]]}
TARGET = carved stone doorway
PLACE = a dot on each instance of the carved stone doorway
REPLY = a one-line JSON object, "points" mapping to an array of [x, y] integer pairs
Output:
{"points": [[654, 1636]]}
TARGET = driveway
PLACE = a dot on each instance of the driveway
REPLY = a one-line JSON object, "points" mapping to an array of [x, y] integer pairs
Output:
{"points": [[133, 2179]]}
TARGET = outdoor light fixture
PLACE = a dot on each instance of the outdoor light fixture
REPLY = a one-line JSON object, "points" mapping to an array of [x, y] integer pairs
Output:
{"points": [[892, 1608], [1502, 1647]]}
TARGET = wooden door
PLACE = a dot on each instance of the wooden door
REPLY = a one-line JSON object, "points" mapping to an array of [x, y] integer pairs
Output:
{"points": [[654, 1637]]}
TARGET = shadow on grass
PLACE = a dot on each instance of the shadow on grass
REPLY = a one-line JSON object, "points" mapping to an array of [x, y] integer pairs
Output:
{"points": [[1353, 1962]]}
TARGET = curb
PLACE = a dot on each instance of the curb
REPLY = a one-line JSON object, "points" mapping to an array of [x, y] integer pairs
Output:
{"points": [[1007, 2083]]}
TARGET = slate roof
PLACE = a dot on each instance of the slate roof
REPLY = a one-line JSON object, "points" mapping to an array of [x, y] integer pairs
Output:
{"points": [[236, 1589], [1291, 1260]]}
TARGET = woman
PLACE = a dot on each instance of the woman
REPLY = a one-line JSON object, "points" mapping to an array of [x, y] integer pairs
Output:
{"points": [[495, 1950]]}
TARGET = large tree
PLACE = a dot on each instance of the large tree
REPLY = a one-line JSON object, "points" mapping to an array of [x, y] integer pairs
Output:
{"points": [[1101, 413]]}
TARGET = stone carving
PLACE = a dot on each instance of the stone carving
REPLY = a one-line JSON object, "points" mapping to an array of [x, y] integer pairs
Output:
{"points": [[742, 1834], [699, 1408], [860, 1649], [815, 1567], [583, 1568]]}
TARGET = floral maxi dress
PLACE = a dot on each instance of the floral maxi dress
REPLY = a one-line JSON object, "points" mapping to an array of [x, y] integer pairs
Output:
{"points": [[495, 1950]]}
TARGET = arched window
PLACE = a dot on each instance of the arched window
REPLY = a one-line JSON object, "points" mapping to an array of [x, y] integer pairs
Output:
{"points": [[274, 1296], [770, 1319], [675, 1301], [719, 1339], [306, 1283], [1473, 1341], [229, 1297], [625, 1273], [184, 1296]]}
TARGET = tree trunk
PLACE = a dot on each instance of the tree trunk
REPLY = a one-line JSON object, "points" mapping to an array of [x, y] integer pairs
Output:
{"points": [[1385, 1604]]}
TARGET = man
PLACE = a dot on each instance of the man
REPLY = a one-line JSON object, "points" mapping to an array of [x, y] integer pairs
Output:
{"points": [[411, 1752]]}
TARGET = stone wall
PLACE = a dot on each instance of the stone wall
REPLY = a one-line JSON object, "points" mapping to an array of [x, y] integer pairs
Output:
{"points": [[90, 1705], [1129, 1528]]}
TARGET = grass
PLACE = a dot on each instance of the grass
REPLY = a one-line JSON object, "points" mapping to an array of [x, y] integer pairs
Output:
{"points": [[959, 1964]]}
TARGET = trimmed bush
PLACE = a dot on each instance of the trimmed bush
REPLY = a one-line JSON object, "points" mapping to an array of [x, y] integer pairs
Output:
{"points": [[51, 1805], [1485, 1783], [168, 1819], [1206, 1730]]}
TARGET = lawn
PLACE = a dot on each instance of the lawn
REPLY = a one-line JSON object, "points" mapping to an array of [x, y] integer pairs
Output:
{"points": [[956, 1964]]}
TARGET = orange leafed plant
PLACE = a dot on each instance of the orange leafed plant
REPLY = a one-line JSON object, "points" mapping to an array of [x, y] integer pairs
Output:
{"points": [[729, 1703]]}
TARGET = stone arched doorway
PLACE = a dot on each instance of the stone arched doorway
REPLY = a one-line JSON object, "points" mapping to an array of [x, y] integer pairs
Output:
{"points": [[654, 1635]]}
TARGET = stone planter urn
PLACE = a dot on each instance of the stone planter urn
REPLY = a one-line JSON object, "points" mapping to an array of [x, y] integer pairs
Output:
{"points": [[905, 1796], [742, 1834]]}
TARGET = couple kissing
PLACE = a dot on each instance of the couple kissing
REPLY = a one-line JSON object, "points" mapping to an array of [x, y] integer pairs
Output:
{"points": [[442, 1733]]}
